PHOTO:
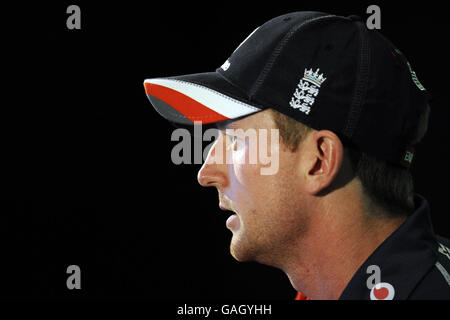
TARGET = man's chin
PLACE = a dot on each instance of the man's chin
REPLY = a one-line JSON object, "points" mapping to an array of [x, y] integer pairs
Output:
{"points": [[239, 250], [238, 257]]}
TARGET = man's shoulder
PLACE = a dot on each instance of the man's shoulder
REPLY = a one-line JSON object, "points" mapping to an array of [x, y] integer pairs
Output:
{"points": [[436, 282]]}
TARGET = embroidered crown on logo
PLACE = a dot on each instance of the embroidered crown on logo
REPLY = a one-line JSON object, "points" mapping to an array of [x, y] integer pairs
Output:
{"points": [[314, 77]]}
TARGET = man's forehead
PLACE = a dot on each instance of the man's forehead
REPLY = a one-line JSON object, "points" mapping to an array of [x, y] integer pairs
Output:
{"points": [[258, 120]]}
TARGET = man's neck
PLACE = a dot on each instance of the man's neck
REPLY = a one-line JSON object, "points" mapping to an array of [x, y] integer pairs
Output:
{"points": [[340, 237]]}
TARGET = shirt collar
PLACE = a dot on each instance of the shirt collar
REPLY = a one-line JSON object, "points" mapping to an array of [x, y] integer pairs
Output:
{"points": [[403, 258]]}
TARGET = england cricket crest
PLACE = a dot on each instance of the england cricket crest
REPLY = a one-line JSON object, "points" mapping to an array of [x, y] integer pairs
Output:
{"points": [[307, 90]]}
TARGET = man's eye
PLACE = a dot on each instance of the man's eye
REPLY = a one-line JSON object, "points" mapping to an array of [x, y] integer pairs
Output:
{"points": [[233, 139]]}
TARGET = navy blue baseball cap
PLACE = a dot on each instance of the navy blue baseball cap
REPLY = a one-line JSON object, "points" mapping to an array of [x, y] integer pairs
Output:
{"points": [[325, 71]]}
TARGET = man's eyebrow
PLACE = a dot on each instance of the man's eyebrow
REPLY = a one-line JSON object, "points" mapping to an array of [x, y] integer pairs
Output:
{"points": [[227, 125]]}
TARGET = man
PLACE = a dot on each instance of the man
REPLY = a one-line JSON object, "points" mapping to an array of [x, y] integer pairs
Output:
{"points": [[339, 215]]}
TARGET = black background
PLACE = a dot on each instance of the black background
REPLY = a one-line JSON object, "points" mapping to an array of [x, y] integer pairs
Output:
{"points": [[93, 182]]}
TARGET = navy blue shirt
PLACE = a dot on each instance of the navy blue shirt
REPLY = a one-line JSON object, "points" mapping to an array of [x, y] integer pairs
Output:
{"points": [[412, 263]]}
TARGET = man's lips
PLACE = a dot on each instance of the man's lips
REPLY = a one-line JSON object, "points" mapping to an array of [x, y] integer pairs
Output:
{"points": [[224, 203], [232, 222], [227, 208]]}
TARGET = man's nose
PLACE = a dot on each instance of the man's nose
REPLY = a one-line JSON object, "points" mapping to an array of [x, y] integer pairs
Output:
{"points": [[213, 172]]}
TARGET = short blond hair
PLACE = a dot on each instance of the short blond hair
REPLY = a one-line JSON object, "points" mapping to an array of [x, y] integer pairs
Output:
{"points": [[292, 132]]}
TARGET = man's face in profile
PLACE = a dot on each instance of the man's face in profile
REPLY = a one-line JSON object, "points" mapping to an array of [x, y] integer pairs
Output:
{"points": [[268, 215]]}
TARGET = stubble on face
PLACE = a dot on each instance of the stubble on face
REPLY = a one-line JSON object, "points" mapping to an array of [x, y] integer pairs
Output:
{"points": [[269, 207], [270, 230]]}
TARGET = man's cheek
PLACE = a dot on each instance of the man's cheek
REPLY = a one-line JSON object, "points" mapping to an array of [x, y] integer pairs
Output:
{"points": [[247, 175]]}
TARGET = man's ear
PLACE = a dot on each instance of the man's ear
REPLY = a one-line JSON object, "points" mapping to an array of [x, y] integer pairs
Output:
{"points": [[323, 155]]}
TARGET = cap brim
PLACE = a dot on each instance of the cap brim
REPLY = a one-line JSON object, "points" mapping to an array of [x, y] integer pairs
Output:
{"points": [[201, 97]]}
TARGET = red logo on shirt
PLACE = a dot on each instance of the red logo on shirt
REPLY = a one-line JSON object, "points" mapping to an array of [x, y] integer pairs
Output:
{"points": [[382, 291]]}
